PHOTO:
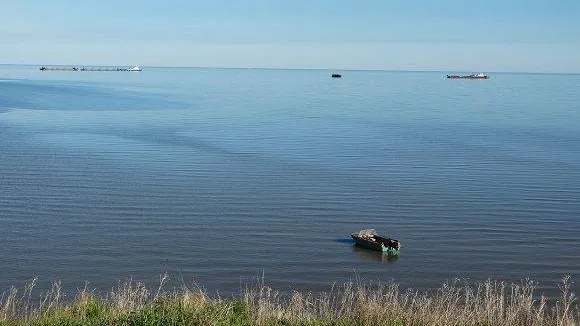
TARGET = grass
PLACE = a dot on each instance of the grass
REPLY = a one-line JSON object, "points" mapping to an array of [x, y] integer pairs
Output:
{"points": [[131, 303]]}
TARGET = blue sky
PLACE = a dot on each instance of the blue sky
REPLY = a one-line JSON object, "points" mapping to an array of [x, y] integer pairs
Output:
{"points": [[469, 35]]}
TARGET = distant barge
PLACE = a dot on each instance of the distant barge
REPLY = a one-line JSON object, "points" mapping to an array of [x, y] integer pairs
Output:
{"points": [[134, 68], [336, 76], [472, 76]]}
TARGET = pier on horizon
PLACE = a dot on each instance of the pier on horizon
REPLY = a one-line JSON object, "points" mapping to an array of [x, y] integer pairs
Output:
{"points": [[73, 68]]}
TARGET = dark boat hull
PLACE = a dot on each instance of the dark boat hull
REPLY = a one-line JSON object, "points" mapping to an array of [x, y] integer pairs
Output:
{"points": [[378, 243]]}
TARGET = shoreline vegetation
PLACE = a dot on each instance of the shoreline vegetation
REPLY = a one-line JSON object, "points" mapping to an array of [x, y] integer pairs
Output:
{"points": [[353, 303]]}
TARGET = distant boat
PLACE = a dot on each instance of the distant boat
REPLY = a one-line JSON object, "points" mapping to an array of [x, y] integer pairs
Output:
{"points": [[336, 75], [369, 239], [135, 68], [472, 76]]}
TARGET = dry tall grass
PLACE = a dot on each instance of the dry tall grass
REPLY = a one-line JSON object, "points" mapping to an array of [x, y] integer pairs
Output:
{"points": [[131, 303], [485, 303]]}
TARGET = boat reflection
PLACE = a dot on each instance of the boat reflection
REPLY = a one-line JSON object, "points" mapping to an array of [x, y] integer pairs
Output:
{"points": [[373, 255], [367, 254]]}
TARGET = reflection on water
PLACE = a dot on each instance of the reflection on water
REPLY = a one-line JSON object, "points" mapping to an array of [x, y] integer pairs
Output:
{"points": [[367, 254], [373, 255]]}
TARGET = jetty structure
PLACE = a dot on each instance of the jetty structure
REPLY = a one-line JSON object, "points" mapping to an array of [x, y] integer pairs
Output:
{"points": [[73, 68]]}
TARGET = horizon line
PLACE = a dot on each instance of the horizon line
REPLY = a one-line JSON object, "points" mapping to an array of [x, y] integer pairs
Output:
{"points": [[297, 68]]}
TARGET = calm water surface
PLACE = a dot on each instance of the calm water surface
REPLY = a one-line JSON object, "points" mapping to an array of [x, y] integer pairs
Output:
{"points": [[222, 175]]}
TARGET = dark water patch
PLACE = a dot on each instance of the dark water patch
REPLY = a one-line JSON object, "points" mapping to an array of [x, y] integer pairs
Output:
{"points": [[71, 96]]}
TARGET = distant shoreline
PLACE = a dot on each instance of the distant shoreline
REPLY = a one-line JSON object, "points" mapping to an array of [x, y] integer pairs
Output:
{"points": [[307, 69]]}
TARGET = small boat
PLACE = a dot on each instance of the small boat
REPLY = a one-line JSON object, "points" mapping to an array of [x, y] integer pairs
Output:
{"points": [[472, 76], [369, 239], [336, 75], [135, 68]]}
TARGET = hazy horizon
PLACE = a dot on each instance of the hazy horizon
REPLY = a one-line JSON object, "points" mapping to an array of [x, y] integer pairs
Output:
{"points": [[449, 35], [284, 68]]}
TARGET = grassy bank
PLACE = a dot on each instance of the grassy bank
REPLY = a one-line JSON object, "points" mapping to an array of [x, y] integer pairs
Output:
{"points": [[485, 303]]}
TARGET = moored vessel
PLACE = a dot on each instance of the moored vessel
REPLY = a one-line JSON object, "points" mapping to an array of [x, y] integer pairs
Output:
{"points": [[369, 239], [472, 76]]}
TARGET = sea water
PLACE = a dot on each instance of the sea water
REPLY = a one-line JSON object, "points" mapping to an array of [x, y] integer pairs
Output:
{"points": [[219, 176]]}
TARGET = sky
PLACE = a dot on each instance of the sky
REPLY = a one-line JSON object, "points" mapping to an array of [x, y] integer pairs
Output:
{"points": [[442, 35]]}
